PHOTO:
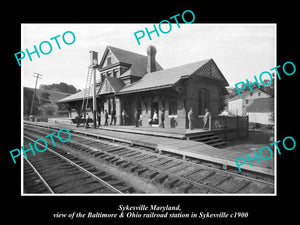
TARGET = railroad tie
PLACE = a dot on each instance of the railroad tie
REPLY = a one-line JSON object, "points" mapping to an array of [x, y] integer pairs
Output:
{"points": [[134, 168], [171, 182], [185, 188], [160, 178], [142, 170], [119, 162]]}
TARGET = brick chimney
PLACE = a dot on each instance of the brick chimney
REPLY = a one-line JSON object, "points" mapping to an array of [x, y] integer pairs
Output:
{"points": [[151, 65], [93, 57]]}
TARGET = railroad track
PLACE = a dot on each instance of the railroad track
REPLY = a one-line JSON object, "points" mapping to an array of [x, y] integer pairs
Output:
{"points": [[58, 172], [179, 176]]}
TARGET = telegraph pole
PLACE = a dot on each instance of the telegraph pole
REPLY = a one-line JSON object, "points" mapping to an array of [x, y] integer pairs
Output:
{"points": [[38, 76]]}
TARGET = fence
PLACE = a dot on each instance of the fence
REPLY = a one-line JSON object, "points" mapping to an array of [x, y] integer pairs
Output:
{"points": [[228, 127]]}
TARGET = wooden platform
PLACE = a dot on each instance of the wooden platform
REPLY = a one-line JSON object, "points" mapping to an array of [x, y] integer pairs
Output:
{"points": [[178, 146], [177, 133], [200, 135]]}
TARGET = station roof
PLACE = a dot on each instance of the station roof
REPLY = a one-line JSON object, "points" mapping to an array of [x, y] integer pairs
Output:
{"points": [[169, 77], [162, 78], [110, 85], [137, 62], [79, 95]]}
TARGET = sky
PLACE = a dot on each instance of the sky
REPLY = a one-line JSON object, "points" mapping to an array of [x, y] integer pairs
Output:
{"points": [[239, 50]]}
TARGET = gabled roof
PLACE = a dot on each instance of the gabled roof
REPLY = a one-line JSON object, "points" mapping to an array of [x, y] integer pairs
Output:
{"points": [[150, 81], [110, 85], [169, 77], [79, 95], [137, 61], [261, 105], [246, 94]]}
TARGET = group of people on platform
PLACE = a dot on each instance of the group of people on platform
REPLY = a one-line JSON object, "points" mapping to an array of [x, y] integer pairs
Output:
{"points": [[151, 121], [154, 119], [113, 119], [191, 119], [138, 119]]}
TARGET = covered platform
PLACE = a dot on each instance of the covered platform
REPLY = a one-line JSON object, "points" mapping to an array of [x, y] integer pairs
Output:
{"points": [[172, 142]]}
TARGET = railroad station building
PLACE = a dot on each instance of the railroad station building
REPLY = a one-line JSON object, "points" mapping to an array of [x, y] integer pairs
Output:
{"points": [[129, 81]]}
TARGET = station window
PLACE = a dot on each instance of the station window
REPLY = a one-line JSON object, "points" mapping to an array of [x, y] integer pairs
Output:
{"points": [[109, 107], [109, 73], [115, 73], [173, 106], [108, 60], [203, 100]]}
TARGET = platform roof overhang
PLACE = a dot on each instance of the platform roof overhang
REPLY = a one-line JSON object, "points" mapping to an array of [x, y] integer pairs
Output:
{"points": [[78, 96]]}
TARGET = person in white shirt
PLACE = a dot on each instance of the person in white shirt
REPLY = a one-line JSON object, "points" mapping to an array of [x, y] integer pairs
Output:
{"points": [[155, 117], [205, 118], [191, 118]]}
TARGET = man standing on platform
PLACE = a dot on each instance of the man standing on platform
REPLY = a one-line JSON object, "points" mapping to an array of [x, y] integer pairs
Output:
{"points": [[106, 118], [123, 117], [78, 118], [191, 118], [99, 118], [155, 118], [87, 120], [113, 117], [162, 118], [137, 118], [205, 118]]}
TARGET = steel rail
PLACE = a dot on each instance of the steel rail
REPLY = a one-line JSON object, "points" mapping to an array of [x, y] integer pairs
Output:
{"points": [[40, 176], [172, 158], [79, 167], [162, 156]]}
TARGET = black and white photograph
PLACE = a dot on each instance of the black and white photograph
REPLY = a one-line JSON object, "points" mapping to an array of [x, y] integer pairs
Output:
{"points": [[160, 118]]}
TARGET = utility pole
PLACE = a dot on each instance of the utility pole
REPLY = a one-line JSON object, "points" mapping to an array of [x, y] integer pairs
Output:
{"points": [[38, 76]]}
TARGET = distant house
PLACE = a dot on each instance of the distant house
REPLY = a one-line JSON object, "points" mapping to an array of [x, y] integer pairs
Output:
{"points": [[261, 111], [238, 104]]}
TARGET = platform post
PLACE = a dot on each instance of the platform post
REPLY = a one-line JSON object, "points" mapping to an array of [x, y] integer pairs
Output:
{"points": [[209, 123], [118, 110]]}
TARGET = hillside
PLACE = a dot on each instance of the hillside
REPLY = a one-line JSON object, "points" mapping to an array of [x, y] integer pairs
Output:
{"points": [[45, 103], [54, 95]]}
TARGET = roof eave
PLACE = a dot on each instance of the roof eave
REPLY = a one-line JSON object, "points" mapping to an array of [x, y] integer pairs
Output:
{"points": [[145, 89], [72, 100]]}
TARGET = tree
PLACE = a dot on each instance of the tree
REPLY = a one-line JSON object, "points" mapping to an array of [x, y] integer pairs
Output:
{"points": [[28, 94], [62, 87], [269, 89], [49, 110], [44, 97], [222, 103]]}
